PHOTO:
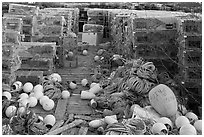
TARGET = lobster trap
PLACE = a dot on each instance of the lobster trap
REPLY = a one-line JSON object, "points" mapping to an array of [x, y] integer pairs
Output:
{"points": [[40, 48], [27, 30], [9, 36], [54, 38], [8, 77], [190, 58], [37, 64], [35, 77], [190, 42], [27, 19], [12, 23], [48, 30], [165, 36], [9, 50], [192, 74], [70, 42], [71, 63], [154, 23], [92, 28], [50, 20], [23, 9], [150, 51], [190, 25], [11, 64]]}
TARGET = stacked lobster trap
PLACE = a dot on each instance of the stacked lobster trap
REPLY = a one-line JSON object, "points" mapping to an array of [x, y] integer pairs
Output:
{"points": [[120, 33], [92, 34], [10, 47], [38, 56], [71, 16], [27, 13], [69, 46], [190, 53], [48, 28], [154, 39], [67, 21], [100, 17]]}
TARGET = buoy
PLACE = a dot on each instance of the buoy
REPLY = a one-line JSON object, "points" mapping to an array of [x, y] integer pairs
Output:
{"points": [[166, 121], [198, 125], [84, 82], [7, 95], [111, 119], [23, 95], [32, 101], [49, 120], [187, 129], [28, 87], [65, 94], [158, 128], [192, 117], [43, 99], [17, 86], [55, 77], [38, 88], [181, 120], [72, 85], [95, 89], [11, 111], [85, 52], [48, 105], [87, 95]]}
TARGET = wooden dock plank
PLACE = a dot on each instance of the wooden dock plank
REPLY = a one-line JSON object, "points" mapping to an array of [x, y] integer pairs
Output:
{"points": [[78, 106], [61, 109]]}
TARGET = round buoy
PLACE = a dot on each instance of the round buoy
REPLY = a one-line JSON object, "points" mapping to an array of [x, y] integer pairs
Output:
{"points": [[49, 120], [38, 88], [23, 95], [181, 120], [72, 85], [65, 94], [43, 99], [23, 102], [38, 94], [158, 128], [96, 58], [84, 82], [192, 117], [32, 101], [28, 87], [198, 125], [7, 95], [56, 77], [11, 111], [48, 105], [187, 129], [85, 52]]}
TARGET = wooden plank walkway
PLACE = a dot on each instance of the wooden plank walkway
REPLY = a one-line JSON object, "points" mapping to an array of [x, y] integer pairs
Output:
{"points": [[61, 109], [78, 106]]}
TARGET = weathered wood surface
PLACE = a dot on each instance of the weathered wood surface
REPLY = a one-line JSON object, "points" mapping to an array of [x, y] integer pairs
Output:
{"points": [[61, 109], [66, 127], [58, 124], [78, 106]]}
